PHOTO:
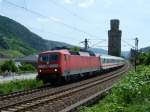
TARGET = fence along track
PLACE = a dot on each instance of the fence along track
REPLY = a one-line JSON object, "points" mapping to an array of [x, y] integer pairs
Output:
{"points": [[59, 96]]}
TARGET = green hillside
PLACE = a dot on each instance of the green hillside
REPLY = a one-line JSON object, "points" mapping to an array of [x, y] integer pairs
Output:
{"points": [[145, 49], [17, 40]]}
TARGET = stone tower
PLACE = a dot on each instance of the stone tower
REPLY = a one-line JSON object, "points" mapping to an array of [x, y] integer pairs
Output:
{"points": [[114, 38]]}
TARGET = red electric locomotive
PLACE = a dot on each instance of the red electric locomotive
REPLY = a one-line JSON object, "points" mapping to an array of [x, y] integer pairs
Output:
{"points": [[59, 65], [62, 64]]}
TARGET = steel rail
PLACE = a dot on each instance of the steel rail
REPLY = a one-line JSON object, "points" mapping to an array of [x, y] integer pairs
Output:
{"points": [[10, 101], [29, 103]]}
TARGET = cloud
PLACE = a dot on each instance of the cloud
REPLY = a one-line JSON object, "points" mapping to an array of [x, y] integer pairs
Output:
{"points": [[43, 20], [49, 19], [69, 1], [55, 19], [85, 3], [80, 3], [107, 3]]}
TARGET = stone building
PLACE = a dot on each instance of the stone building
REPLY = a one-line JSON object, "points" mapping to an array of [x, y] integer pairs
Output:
{"points": [[114, 38], [31, 59]]}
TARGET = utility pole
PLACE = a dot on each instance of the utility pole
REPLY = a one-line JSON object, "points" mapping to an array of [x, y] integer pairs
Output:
{"points": [[85, 42], [136, 51]]}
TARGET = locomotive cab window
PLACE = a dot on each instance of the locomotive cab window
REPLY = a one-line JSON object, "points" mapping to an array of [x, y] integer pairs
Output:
{"points": [[53, 57], [44, 58], [49, 57]]}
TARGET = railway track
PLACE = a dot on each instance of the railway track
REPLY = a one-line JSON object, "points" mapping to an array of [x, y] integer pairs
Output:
{"points": [[23, 92], [64, 98]]}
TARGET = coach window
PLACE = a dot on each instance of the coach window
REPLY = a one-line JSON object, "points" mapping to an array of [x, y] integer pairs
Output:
{"points": [[113, 61], [107, 60], [104, 60], [110, 60]]}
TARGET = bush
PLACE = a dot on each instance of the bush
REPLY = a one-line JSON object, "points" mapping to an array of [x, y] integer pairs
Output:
{"points": [[147, 60], [27, 67], [0, 71], [144, 58], [75, 49], [132, 94], [9, 66]]}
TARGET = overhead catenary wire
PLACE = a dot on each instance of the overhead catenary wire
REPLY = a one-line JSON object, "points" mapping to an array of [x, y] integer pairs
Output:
{"points": [[70, 12], [103, 40], [58, 22], [128, 44], [53, 33], [25, 2], [97, 39], [56, 34], [101, 46]]}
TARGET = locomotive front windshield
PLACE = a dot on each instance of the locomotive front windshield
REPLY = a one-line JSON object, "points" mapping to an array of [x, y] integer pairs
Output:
{"points": [[49, 57]]}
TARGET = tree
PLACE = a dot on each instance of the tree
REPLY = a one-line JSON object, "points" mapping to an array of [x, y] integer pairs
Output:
{"points": [[76, 49], [147, 60], [144, 58], [27, 67], [9, 66]]}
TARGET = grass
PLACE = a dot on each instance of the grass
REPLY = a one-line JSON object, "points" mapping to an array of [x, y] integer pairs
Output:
{"points": [[19, 85], [131, 94], [10, 53]]}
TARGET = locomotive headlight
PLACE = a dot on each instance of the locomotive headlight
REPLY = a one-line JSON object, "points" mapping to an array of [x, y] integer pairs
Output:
{"points": [[40, 70], [55, 70]]}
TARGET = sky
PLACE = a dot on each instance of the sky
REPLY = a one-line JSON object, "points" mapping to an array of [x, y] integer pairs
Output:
{"points": [[72, 21]]}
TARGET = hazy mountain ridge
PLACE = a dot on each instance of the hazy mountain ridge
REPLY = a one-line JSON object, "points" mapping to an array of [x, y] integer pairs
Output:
{"points": [[145, 49], [99, 50], [17, 39]]}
